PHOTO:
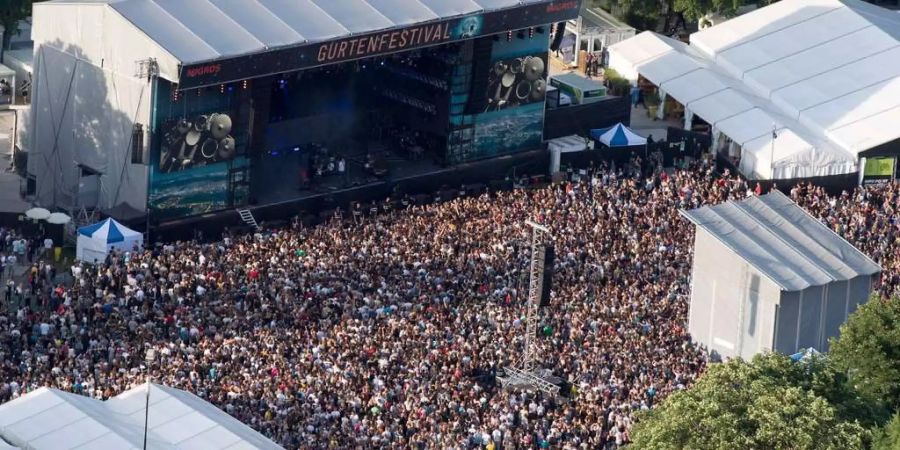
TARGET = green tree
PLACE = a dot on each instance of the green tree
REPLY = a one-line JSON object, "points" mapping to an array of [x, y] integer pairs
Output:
{"points": [[868, 349], [695, 9], [888, 437], [11, 13], [770, 403]]}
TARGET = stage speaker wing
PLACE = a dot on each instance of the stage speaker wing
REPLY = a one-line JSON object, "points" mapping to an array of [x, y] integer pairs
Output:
{"points": [[226, 148], [220, 126], [538, 89], [534, 68]]}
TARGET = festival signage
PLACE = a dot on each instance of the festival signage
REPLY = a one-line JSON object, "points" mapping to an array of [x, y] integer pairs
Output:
{"points": [[377, 43], [879, 170]]}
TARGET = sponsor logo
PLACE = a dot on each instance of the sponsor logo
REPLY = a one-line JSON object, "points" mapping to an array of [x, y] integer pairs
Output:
{"points": [[210, 69], [564, 6]]}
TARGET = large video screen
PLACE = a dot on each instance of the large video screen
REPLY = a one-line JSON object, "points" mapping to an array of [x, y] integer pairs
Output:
{"points": [[514, 118], [199, 139]]}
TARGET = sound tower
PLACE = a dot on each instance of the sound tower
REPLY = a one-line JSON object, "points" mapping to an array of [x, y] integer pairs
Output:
{"points": [[481, 69], [558, 36], [549, 257]]}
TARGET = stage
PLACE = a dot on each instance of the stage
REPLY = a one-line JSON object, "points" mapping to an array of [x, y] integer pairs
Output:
{"points": [[295, 104], [419, 182]]}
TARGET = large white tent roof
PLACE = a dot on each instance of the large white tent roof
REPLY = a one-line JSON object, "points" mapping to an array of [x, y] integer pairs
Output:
{"points": [[780, 239], [195, 31], [55, 420], [828, 70]]}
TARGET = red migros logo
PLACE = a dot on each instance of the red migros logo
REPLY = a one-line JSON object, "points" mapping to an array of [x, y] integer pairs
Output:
{"points": [[562, 6], [209, 69]]}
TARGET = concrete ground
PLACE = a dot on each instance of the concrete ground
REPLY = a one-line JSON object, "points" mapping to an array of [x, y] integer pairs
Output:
{"points": [[640, 122], [646, 126], [10, 182]]}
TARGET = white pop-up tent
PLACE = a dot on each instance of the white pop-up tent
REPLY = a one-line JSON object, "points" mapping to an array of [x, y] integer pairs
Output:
{"points": [[95, 241]]}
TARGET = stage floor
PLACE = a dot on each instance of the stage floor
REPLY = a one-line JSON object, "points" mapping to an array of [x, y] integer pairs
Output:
{"points": [[281, 176], [285, 201]]}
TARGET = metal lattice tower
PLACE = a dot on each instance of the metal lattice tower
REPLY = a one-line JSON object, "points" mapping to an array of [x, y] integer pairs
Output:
{"points": [[527, 375], [535, 287]]}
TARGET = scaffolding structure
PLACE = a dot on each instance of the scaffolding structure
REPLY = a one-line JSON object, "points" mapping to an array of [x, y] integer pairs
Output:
{"points": [[527, 375]]}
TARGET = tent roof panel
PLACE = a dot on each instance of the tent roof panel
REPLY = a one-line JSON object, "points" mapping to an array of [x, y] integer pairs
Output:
{"points": [[220, 31], [259, 21], [196, 31], [796, 38], [404, 12], [748, 125], [819, 60], [760, 22], [782, 241], [844, 80], [855, 106], [696, 85], [667, 66], [307, 19], [450, 8], [720, 105], [865, 134], [357, 16], [169, 33], [48, 418]]}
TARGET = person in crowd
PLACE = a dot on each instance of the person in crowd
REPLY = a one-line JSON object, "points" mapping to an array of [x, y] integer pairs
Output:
{"points": [[387, 332]]}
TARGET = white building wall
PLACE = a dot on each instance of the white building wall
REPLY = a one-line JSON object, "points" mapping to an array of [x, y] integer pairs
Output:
{"points": [[733, 305], [100, 35], [83, 115], [87, 98]]}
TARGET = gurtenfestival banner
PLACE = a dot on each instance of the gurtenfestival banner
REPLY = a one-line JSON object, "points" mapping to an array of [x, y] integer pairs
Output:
{"points": [[382, 42]]}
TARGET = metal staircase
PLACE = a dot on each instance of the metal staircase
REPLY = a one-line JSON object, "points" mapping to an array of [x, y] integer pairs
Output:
{"points": [[248, 218]]}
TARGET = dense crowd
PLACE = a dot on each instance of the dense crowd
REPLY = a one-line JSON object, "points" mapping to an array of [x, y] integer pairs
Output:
{"points": [[385, 333]]}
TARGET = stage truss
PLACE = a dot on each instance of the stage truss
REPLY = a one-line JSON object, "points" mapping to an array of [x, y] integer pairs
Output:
{"points": [[527, 375]]}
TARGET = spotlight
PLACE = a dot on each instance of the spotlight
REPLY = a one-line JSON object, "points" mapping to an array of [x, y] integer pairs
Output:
{"points": [[531, 33], [509, 35], [245, 84], [221, 88]]}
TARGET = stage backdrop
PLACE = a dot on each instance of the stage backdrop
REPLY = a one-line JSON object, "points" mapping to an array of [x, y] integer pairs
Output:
{"points": [[197, 139], [514, 118]]}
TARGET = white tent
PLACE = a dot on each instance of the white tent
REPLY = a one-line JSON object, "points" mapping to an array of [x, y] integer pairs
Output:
{"points": [[825, 72], [95, 241], [176, 420], [618, 135], [767, 276]]}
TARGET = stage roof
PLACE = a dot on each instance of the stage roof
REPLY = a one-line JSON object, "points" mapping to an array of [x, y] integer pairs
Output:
{"points": [[780, 239], [829, 70], [201, 31]]}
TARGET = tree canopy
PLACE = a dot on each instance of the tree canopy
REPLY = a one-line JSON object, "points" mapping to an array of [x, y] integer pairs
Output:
{"points": [[11, 13], [768, 403], [868, 349], [888, 437]]}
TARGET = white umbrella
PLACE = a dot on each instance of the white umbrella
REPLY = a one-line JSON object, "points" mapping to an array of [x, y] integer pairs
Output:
{"points": [[58, 218], [37, 213]]}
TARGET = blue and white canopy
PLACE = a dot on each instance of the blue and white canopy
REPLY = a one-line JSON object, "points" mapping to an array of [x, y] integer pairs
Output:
{"points": [[804, 355], [109, 231], [95, 241], [618, 135]]}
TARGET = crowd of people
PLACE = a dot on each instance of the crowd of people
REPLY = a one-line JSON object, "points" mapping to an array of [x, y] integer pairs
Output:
{"points": [[386, 332]]}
